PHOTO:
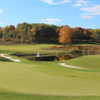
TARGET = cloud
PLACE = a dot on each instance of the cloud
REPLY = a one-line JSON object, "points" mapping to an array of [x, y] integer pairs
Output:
{"points": [[87, 8], [51, 20], [90, 12], [52, 2], [80, 3], [87, 16]]}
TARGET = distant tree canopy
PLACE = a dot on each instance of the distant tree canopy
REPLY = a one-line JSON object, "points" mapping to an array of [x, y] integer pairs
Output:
{"points": [[44, 33], [82, 35]]}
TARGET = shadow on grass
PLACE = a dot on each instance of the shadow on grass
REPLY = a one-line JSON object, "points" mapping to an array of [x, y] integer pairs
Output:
{"points": [[4, 59], [16, 96]]}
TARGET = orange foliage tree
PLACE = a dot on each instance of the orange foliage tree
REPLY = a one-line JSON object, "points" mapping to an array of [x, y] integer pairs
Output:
{"points": [[65, 35]]}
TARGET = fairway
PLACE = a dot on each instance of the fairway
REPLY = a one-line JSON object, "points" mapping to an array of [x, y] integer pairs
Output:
{"points": [[25, 48], [91, 62], [30, 80], [48, 79], [47, 54], [16, 96]]}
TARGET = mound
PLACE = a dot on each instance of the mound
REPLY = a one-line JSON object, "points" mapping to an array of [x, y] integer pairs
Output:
{"points": [[91, 62]]}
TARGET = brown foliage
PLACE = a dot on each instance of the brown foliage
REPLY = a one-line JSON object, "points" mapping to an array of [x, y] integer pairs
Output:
{"points": [[65, 35]]}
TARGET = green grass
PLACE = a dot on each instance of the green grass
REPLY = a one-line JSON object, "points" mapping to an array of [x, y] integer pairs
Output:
{"points": [[5, 60], [48, 80], [90, 62], [30, 49], [24, 48], [16, 96]]}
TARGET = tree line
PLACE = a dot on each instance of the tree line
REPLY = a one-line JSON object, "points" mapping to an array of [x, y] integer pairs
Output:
{"points": [[44, 33]]}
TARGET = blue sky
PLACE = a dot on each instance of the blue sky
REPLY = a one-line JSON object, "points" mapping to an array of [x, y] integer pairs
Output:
{"points": [[84, 13]]}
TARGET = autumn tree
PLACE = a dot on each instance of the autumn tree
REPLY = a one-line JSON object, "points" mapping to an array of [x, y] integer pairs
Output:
{"points": [[23, 32], [65, 34], [78, 35], [1, 34], [90, 36], [8, 33], [44, 33], [97, 34], [81, 35]]}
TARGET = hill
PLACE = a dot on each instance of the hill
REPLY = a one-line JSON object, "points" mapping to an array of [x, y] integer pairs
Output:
{"points": [[90, 62]]}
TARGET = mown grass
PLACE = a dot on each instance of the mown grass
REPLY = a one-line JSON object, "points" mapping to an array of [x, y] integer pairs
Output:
{"points": [[32, 80], [24, 47], [16, 96], [89, 62], [48, 78], [31, 49]]}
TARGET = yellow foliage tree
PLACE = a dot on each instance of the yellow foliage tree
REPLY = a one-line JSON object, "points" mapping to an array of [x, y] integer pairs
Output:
{"points": [[65, 34]]}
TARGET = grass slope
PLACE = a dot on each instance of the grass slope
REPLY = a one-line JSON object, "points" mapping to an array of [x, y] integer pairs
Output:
{"points": [[16, 96], [34, 80], [90, 62], [48, 79]]}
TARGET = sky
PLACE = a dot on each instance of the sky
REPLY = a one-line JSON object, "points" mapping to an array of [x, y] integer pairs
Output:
{"points": [[75, 13]]}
